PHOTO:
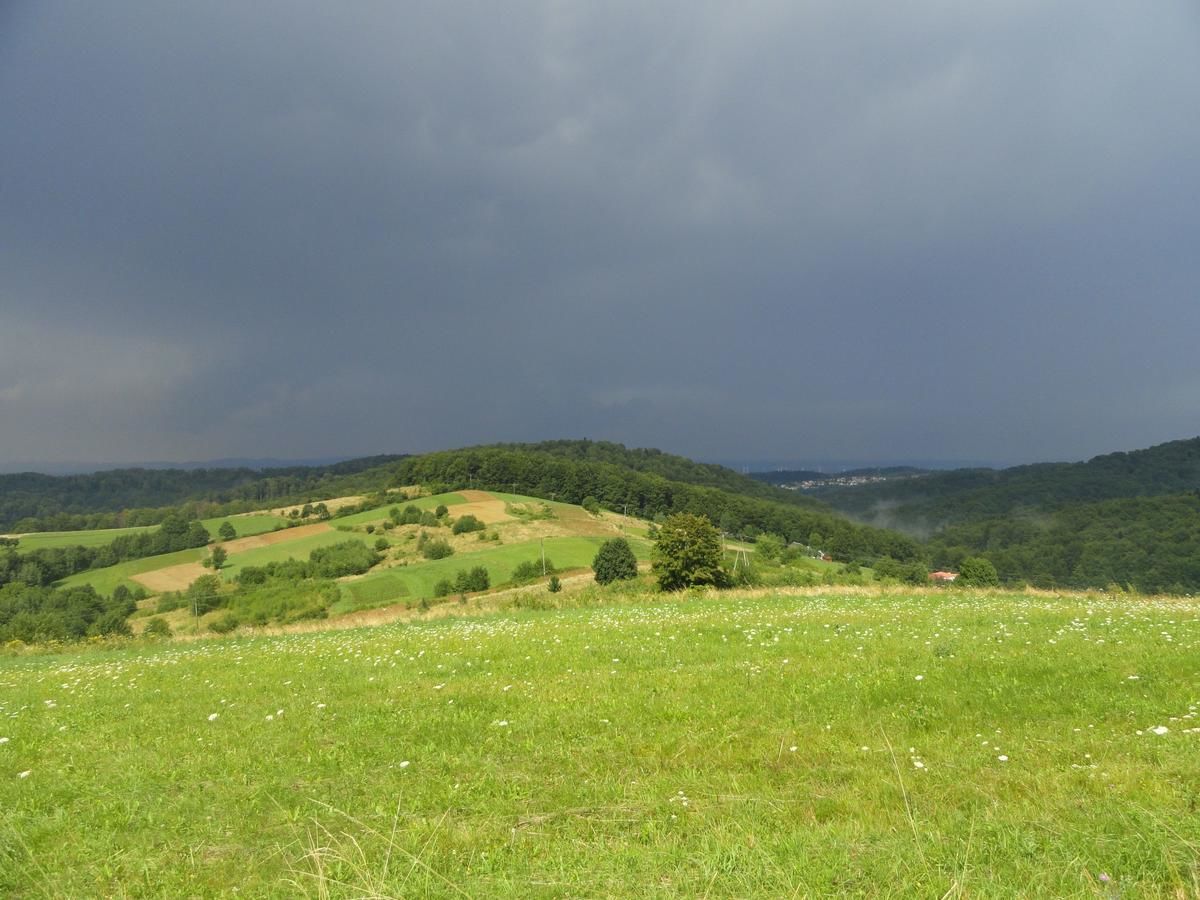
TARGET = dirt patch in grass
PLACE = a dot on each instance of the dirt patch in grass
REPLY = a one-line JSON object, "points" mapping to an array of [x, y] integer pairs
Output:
{"points": [[489, 511], [172, 578], [270, 538]]}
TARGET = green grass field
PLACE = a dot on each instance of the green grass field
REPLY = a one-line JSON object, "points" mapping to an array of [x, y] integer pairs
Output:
{"points": [[944, 744], [45, 540], [418, 580]]}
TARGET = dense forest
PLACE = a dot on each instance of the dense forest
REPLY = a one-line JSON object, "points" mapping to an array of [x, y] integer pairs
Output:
{"points": [[125, 497], [967, 495], [1145, 543], [665, 465], [572, 475], [1128, 519]]}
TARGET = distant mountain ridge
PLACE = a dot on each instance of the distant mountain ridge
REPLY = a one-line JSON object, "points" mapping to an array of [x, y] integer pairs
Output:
{"points": [[78, 467]]}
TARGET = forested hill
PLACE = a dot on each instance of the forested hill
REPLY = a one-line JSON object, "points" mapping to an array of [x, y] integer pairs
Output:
{"points": [[665, 465], [922, 505], [571, 472], [34, 502]]}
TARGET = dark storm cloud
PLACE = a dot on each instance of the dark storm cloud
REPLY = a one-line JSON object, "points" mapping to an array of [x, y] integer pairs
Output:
{"points": [[781, 230]]}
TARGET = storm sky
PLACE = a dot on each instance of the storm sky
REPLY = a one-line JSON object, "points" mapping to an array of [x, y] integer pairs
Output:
{"points": [[767, 230]]}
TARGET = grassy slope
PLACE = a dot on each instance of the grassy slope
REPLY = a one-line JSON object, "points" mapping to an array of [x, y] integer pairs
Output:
{"points": [[732, 746], [419, 580]]}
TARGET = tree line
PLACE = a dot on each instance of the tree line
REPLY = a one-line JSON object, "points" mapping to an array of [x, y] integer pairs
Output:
{"points": [[122, 497], [45, 566]]}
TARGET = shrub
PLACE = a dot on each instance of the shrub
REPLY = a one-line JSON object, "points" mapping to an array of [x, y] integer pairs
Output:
{"points": [[975, 571], [591, 504], [441, 510], [476, 579], [204, 594], [769, 547], [465, 524], [531, 569], [382, 544], [157, 627], [614, 561], [554, 585], [225, 624], [169, 601], [437, 549], [443, 588], [346, 558]]}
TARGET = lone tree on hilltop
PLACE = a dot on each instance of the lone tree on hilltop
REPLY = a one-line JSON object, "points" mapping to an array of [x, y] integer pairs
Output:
{"points": [[614, 561], [688, 552]]}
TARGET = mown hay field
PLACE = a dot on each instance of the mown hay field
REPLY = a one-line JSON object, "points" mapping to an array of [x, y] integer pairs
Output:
{"points": [[865, 743]]}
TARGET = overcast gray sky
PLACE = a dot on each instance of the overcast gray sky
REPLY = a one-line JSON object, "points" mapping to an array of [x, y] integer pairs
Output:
{"points": [[766, 230]]}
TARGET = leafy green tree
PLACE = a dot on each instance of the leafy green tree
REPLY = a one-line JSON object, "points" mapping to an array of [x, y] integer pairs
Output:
{"points": [[554, 585], [976, 571], [476, 579], [441, 510], [157, 627], [769, 546], [226, 532], [204, 594], [687, 553], [216, 558], [591, 504], [614, 561]]}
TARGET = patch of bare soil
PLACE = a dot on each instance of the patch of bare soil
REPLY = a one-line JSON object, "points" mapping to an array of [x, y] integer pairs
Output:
{"points": [[270, 538], [489, 511], [172, 578]]}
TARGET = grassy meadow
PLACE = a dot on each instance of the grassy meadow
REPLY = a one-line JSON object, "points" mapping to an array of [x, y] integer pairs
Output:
{"points": [[744, 744], [389, 585]]}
